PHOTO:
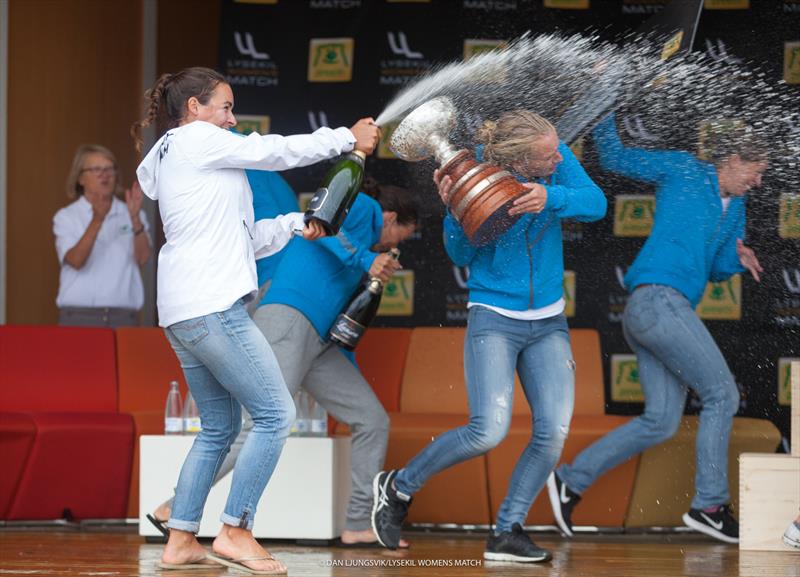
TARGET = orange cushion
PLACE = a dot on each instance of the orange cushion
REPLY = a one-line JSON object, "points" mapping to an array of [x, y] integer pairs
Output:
{"points": [[381, 357]]}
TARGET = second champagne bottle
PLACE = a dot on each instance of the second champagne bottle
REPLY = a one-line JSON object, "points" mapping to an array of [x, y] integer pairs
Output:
{"points": [[352, 323]]}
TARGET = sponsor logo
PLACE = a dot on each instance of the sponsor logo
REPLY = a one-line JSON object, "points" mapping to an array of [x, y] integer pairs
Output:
{"points": [[386, 135], [642, 6], [634, 127], [789, 216], [246, 46], [334, 4], [719, 51], [247, 123], [317, 119], [398, 42], [787, 308], [475, 46], [672, 45], [722, 301], [252, 66], [490, 5], [571, 230], [456, 301], [330, 60], [633, 214], [711, 130], [569, 293], [791, 6], [716, 524], [726, 4], [398, 295], [625, 386], [617, 300], [567, 4], [403, 63], [791, 62], [785, 379]]}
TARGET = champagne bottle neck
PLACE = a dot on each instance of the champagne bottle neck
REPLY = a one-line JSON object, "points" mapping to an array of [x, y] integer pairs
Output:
{"points": [[359, 153], [375, 286]]}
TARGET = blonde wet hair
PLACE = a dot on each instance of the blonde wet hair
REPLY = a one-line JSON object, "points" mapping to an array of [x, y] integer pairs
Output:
{"points": [[73, 187], [508, 139]]}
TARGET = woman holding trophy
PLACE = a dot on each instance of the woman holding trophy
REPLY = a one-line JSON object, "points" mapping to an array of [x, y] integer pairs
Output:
{"points": [[516, 323]]}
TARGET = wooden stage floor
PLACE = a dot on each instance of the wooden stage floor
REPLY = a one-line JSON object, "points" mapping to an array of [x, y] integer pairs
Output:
{"points": [[116, 552]]}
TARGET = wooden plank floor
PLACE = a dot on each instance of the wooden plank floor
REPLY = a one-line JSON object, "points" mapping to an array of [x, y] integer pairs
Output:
{"points": [[104, 553]]}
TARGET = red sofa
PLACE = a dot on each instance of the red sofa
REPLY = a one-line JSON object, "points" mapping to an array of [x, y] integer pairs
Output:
{"points": [[66, 448]]}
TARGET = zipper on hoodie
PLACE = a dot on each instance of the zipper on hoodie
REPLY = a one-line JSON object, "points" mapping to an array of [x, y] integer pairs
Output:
{"points": [[244, 223]]}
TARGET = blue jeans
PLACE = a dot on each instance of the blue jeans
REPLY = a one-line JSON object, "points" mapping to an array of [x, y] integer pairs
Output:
{"points": [[495, 346], [228, 363], [674, 350]]}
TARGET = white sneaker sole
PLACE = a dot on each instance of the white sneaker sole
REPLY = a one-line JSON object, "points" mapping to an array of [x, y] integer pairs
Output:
{"points": [[514, 558], [791, 542], [555, 504], [710, 531]]}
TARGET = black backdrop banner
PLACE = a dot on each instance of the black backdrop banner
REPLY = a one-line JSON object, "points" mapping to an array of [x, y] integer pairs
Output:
{"points": [[296, 65]]}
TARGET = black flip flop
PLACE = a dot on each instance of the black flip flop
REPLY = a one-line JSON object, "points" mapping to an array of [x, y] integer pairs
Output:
{"points": [[158, 524]]}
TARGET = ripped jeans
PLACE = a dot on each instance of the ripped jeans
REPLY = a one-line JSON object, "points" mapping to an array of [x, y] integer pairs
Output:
{"points": [[495, 347]]}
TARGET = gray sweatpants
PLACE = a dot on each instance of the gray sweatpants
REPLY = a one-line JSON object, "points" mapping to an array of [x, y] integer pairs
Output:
{"points": [[336, 384]]}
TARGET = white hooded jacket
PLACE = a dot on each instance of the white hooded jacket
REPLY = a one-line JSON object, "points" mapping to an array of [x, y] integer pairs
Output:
{"points": [[195, 172]]}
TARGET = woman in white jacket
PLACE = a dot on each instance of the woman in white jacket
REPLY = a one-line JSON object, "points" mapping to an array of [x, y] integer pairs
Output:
{"points": [[206, 275]]}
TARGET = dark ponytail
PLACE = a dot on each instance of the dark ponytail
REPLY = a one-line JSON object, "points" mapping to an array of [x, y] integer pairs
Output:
{"points": [[168, 96], [393, 199]]}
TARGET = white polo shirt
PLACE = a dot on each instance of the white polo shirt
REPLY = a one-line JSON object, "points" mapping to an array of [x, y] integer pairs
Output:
{"points": [[195, 173], [110, 277]]}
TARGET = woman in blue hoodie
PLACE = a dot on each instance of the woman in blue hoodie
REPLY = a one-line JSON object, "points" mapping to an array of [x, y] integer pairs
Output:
{"points": [[697, 236], [516, 323]]}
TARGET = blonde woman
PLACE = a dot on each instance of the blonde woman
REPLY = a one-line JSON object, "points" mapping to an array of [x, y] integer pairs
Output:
{"points": [[101, 243], [516, 323]]}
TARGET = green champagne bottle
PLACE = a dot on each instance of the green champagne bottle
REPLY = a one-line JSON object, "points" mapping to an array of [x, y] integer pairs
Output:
{"points": [[336, 194]]}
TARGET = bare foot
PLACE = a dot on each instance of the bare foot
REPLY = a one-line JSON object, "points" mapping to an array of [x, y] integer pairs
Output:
{"points": [[162, 512], [235, 543], [366, 536], [182, 548]]}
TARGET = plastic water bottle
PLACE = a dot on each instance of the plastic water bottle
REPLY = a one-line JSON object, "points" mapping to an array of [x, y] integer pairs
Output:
{"points": [[318, 418], [302, 422], [173, 412], [191, 415]]}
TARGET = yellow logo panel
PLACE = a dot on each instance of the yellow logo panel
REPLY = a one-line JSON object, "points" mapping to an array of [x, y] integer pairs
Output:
{"points": [[386, 134], [567, 4], [473, 46], [791, 62], [785, 380], [569, 293], [672, 45], [398, 295], [247, 123], [722, 301], [727, 4], [330, 60], [633, 214], [625, 386], [789, 216]]}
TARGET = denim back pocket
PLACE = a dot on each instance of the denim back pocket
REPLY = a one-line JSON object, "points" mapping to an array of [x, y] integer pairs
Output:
{"points": [[191, 331]]}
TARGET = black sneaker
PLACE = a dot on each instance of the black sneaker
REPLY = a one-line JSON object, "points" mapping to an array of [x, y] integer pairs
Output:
{"points": [[719, 524], [562, 501], [514, 545], [389, 509]]}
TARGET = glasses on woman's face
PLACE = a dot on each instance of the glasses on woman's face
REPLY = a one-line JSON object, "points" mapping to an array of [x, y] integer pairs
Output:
{"points": [[98, 170]]}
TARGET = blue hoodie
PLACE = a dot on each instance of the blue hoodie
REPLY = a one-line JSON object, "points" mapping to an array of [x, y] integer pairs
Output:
{"points": [[524, 268], [692, 241], [272, 196], [319, 277]]}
